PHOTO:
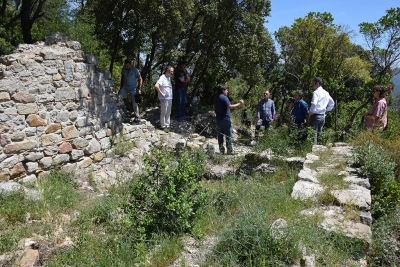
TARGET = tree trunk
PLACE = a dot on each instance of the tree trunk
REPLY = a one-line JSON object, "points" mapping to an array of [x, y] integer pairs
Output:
{"points": [[26, 23], [3, 8]]}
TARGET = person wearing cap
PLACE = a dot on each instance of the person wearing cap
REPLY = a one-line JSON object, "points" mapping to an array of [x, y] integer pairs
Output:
{"points": [[164, 89], [321, 103], [222, 108], [129, 77], [182, 79]]}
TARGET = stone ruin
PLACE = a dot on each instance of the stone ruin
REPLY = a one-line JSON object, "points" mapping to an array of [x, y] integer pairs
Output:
{"points": [[56, 107]]}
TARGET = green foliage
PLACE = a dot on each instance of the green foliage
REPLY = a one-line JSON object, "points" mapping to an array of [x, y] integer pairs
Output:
{"points": [[382, 39], [121, 145], [275, 139], [95, 249], [57, 194], [56, 19], [58, 188], [383, 250], [281, 143], [166, 252], [13, 207], [379, 168], [168, 196], [5, 47], [249, 241]]}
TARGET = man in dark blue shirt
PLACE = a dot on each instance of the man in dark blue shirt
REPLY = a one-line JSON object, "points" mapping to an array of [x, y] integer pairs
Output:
{"points": [[222, 108], [299, 114]]}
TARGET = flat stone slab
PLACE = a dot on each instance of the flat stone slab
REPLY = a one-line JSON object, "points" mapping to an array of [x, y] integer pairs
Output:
{"points": [[342, 151], [304, 190], [364, 182], [335, 220], [307, 175], [312, 157], [319, 148], [360, 198]]}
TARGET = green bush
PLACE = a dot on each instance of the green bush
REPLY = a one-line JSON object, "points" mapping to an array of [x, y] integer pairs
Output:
{"points": [[379, 168], [168, 195]]}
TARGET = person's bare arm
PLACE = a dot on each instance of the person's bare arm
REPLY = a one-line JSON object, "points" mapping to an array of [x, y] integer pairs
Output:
{"points": [[140, 84], [233, 106]]}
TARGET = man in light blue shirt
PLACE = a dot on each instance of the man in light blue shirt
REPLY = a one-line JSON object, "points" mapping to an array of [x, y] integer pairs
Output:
{"points": [[321, 103], [129, 77]]}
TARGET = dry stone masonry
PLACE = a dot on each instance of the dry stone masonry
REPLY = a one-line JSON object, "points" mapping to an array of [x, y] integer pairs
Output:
{"points": [[56, 107]]}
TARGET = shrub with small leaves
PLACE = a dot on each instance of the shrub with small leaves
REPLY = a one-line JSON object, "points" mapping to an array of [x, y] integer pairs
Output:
{"points": [[168, 195]]}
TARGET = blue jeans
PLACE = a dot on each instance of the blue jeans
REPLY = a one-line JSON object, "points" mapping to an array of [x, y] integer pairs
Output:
{"points": [[224, 128], [317, 123], [180, 96]]}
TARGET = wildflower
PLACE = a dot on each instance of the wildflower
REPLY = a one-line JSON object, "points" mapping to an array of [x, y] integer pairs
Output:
{"points": [[390, 89]]}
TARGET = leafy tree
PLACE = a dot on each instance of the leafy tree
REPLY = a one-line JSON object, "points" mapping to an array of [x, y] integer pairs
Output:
{"points": [[315, 46], [383, 41]]}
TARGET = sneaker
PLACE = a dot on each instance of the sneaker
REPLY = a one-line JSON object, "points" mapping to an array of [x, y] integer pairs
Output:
{"points": [[136, 120]]}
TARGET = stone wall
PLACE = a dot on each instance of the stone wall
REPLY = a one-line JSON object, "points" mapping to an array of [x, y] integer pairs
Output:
{"points": [[56, 107]]}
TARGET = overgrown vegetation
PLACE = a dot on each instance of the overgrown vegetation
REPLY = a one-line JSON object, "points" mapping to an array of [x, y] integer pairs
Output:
{"points": [[58, 195], [143, 220], [378, 157]]}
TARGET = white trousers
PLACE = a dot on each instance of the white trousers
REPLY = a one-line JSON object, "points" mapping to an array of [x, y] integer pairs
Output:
{"points": [[165, 114]]}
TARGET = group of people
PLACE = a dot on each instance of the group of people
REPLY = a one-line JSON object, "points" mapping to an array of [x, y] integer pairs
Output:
{"points": [[131, 83], [321, 103]]}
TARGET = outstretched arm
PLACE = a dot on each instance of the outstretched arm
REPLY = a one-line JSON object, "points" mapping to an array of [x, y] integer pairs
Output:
{"points": [[233, 106]]}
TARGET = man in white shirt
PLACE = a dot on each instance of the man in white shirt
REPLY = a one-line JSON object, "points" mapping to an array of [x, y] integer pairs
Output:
{"points": [[164, 89], [321, 103]]}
